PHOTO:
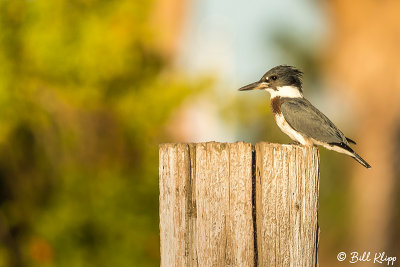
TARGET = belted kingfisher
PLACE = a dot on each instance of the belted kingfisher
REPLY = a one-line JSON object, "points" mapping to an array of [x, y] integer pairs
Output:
{"points": [[297, 117]]}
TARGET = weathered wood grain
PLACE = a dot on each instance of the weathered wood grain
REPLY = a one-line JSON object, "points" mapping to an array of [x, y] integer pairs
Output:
{"points": [[206, 204], [287, 188], [174, 171]]}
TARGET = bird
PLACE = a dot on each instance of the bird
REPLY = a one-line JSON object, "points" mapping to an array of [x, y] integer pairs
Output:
{"points": [[297, 117]]}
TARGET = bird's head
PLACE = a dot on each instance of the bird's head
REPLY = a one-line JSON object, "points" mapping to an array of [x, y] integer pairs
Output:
{"points": [[284, 81]]}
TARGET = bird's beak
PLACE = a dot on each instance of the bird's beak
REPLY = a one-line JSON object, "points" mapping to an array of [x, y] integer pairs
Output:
{"points": [[254, 86]]}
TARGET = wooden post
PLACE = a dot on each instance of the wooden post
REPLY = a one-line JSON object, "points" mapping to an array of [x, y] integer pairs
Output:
{"points": [[287, 187], [233, 205]]}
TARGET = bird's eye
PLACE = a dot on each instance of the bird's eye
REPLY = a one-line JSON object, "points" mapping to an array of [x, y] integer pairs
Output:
{"points": [[274, 78]]}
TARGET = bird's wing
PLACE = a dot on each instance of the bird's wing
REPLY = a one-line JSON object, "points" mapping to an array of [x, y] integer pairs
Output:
{"points": [[303, 117], [351, 141]]}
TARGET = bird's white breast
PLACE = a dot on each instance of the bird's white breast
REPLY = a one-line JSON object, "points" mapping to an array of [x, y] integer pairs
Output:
{"points": [[287, 129]]}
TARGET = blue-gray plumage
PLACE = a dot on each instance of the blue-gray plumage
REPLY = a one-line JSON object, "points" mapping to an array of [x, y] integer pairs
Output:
{"points": [[297, 117], [304, 117]]}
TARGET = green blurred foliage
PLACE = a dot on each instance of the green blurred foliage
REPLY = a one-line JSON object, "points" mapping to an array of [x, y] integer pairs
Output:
{"points": [[84, 98]]}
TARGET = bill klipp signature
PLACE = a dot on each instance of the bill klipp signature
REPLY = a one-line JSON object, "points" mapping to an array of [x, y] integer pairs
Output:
{"points": [[367, 256]]}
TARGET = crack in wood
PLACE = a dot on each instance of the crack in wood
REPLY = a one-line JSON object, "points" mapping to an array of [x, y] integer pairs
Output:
{"points": [[253, 200]]}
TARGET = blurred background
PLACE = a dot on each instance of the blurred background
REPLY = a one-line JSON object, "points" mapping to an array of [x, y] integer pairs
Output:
{"points": [[89, 88]]}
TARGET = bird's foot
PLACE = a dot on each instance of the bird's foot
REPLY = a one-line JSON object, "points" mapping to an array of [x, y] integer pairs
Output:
{"points": [[295, 143]]}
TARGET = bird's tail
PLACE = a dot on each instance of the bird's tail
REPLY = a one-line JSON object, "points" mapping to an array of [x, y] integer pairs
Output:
{"points": [[360, 160], [344, 148]]}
